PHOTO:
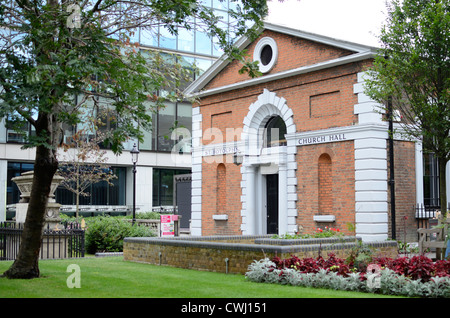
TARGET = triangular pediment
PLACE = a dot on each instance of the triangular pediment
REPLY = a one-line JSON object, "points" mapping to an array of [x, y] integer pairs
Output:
{"points": [[281, 52]]}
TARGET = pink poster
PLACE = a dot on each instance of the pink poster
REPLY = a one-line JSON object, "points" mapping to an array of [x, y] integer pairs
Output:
{"points": [[168, 225]]}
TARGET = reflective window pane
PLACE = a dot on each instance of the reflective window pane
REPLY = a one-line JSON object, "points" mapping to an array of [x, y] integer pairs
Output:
{"points": [[203, 64], [166, 120], [163, 186], [206, 3], [220, 4], [167, 40], [147, 143], [203, 43], [186, 40], [149, 37], [184, 118]]}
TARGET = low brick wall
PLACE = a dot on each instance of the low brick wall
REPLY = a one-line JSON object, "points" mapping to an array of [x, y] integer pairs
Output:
{"points": [[233, 254]]}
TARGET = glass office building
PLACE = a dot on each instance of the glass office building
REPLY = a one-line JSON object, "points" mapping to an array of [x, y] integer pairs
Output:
{"points": [[158, 162]]}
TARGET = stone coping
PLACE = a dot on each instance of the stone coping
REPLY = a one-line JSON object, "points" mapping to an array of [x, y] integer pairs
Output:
{"points": [[212, 243], [307, 241]]}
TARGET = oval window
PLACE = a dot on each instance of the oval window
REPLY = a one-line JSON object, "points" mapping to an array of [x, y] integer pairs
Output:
{"points": [[266, 53]]}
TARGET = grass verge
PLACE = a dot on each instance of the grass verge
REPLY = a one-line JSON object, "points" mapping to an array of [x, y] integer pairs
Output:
{"points": [[112, 277]]}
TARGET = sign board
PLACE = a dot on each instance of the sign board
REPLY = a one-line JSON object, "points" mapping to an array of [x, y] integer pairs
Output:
{"points": [[225, 150], [319, 139], [168, 225]]}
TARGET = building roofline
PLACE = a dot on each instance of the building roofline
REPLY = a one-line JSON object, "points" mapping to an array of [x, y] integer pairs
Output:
{"points": [[277, 76], [361, 52]]}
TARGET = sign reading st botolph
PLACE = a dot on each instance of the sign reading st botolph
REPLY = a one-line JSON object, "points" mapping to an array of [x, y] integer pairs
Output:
{"points": [[320, 139], [224, 150]]}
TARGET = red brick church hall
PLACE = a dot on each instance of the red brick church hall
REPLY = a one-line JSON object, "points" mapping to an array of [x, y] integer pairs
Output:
{"points": [[299, 147]]}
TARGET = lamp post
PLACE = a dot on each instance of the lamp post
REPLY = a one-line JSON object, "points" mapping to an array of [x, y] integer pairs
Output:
{"points": [[134, 158]]}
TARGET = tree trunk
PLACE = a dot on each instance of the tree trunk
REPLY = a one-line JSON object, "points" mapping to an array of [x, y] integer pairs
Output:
{"points": [[45, 166], [443, 186]]}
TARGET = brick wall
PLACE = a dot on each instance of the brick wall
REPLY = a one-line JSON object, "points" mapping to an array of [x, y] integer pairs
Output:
{"points": [[319, 100], [221, 193], [342, 196], [292, 53], [405, 192], [233, 106], [325, 173], [232, 255]]}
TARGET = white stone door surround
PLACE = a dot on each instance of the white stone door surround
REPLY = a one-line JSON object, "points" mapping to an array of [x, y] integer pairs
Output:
{"points": [[258, 160]]}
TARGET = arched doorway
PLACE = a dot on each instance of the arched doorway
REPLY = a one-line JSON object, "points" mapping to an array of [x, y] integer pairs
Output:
{"points": [[268, 204]]}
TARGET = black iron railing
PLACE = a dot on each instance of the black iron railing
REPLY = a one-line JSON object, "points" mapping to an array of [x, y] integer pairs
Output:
{"points": [[426, 215], [66, 241]]}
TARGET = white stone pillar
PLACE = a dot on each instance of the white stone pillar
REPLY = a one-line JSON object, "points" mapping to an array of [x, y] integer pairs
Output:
{"points": [[196, 181], [371, 174], [419, 173], [282, 200], [250, 215]]}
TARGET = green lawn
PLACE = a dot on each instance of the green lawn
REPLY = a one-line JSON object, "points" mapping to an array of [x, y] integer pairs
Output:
{"points": [[112, 277]]}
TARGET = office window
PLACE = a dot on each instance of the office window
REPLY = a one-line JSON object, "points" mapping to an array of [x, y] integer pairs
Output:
{"points": [[203, 43], [17, 132], [163, 136], [220, 4], [100, 193], [203, 64], [163, 185], [149, 139], [149, 37], [186, 40], [166, 120], [15, 169], [167, 40]]}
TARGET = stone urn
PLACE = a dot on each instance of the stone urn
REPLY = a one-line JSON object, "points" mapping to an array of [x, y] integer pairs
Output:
{"points": [[24, 182]]}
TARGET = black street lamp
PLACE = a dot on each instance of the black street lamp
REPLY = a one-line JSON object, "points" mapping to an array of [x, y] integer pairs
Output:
{"points": [[134, 158]]}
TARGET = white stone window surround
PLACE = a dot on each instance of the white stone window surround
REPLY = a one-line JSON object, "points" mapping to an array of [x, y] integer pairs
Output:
{"points": [[260, 46]]}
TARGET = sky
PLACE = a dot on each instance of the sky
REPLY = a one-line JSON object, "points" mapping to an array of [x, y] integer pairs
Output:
{"points": [[357, 21]]}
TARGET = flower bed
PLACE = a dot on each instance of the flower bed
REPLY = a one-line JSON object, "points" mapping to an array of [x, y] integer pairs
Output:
{"points": [[319, 233], [417, 276]]}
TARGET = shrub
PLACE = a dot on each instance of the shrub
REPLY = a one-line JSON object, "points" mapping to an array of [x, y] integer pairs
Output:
{"points": [[417, 267], [106, 234], [146, 216], [319, 233], [390, 282], [360, 257], [311, 265]]}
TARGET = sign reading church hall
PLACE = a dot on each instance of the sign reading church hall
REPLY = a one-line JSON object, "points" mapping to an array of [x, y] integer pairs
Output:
{"points": [[321, 139], [300, 146]]}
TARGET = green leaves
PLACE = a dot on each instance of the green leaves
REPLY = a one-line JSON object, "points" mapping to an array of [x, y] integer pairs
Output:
{"points": [[52, 67], [413, 68]]}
